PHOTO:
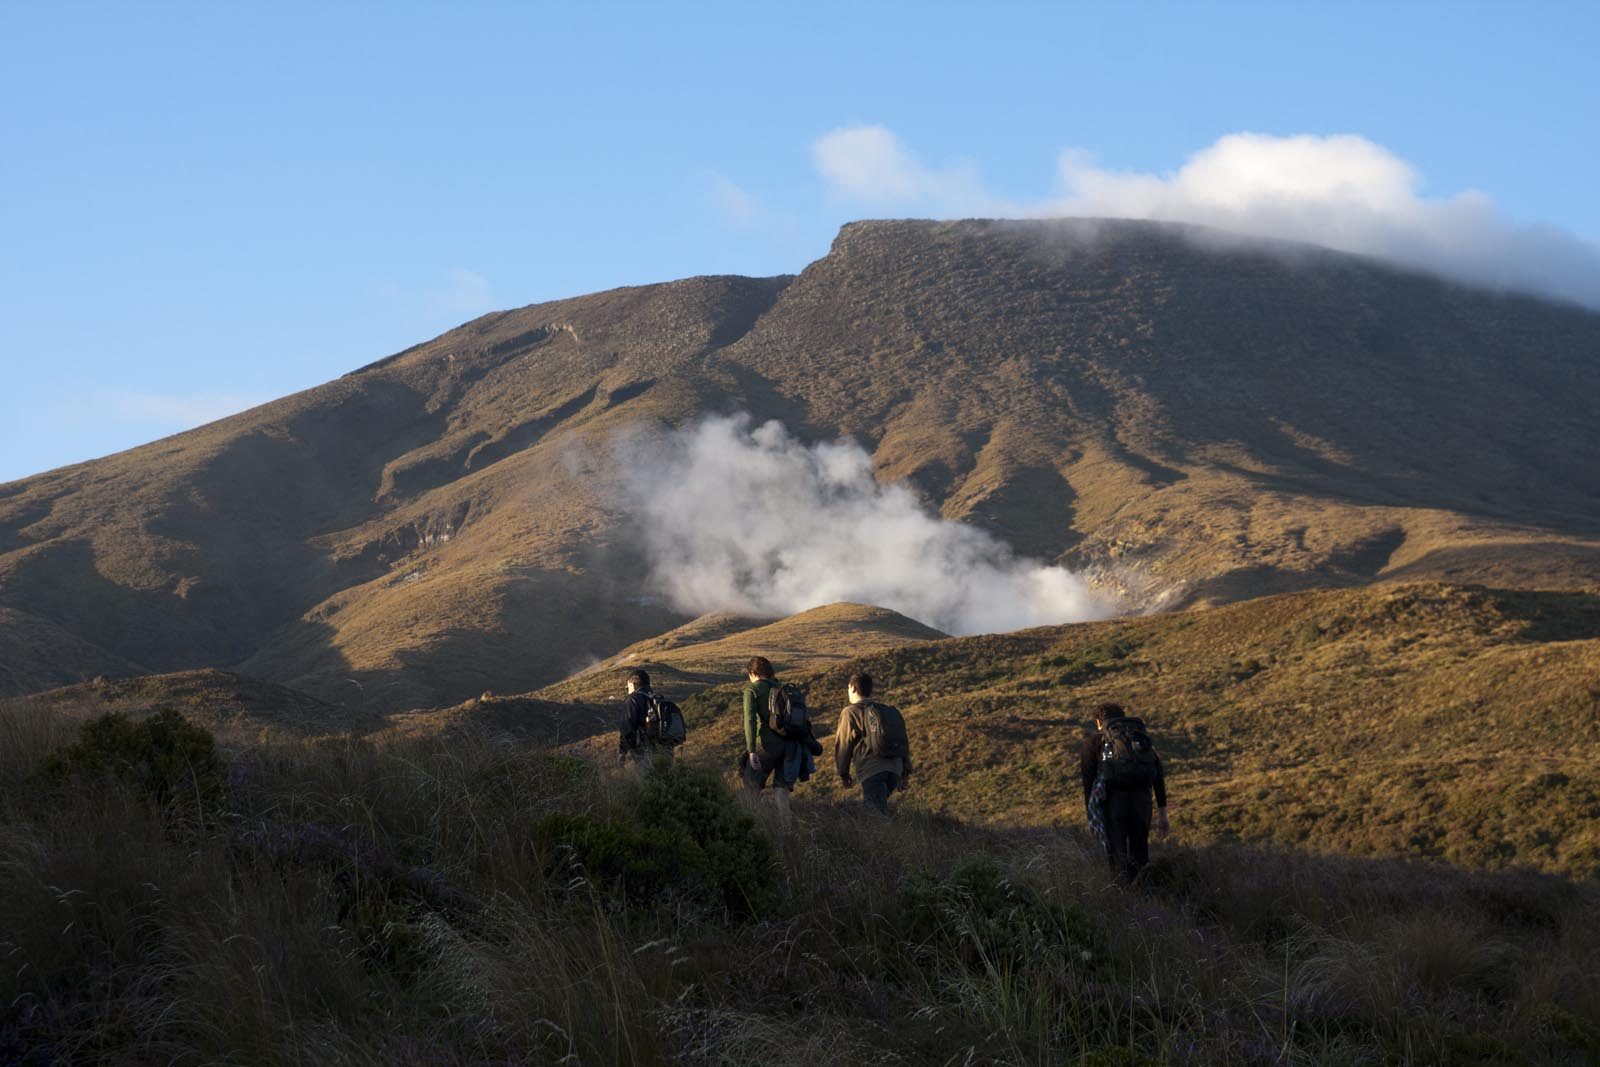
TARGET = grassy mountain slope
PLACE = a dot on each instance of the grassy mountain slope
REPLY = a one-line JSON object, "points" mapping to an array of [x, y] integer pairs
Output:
{"points": [[1421, 720], [715, 648], [411, 525], [1195, 420], [1235, 419], [36, 654], [219, 701]]}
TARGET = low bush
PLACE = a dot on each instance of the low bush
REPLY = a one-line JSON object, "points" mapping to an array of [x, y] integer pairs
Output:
{"points": [[979, 914], [679, 836], [164, 758]]}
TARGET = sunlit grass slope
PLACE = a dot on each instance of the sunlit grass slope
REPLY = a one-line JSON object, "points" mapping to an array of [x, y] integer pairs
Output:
{"points": [[1418, 720]]}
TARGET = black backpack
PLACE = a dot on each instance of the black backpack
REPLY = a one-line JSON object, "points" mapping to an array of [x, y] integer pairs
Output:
{"points": [[1127, 756], [786, 711], [886, 731], [663, 722]]}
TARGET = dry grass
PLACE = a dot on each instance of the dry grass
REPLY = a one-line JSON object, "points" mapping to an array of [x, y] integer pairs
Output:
{"points": [[715, 648], [350, 904], [1414, 720]]}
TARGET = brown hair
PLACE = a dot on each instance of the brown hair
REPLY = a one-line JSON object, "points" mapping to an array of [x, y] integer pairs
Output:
{"points": [[1107, 712], [760, 666], [640, 679], [862, 681]]}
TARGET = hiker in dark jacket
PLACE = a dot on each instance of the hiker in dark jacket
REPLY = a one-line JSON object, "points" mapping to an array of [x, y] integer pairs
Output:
{"points": [[634, 741], [879, 773], [768, 754], [1125, 808]]}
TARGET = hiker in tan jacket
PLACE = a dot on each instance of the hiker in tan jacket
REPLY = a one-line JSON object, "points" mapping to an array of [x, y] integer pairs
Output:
{"points": [[872, 741]]}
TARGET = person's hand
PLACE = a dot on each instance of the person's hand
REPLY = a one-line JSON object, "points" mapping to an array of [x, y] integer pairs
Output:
{"points": [[1162, 826]]}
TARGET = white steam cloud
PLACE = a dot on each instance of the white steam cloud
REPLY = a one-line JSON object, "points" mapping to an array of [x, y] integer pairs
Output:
{"points": [[748, 519], [1341, 192]]}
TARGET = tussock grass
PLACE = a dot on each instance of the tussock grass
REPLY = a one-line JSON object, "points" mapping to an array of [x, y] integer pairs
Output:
{"points": [[347, 903]]}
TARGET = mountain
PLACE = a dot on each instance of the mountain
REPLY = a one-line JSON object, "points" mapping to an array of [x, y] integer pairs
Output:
{"points": [[1194, 419]]}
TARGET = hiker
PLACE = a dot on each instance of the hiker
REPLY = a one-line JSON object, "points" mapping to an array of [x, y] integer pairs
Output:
{"points": [[777, 735], [652, 726], [872, 738], [1119, 767]]}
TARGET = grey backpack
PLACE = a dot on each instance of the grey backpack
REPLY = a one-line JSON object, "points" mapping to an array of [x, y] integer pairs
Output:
{"points": [[886, 731]]}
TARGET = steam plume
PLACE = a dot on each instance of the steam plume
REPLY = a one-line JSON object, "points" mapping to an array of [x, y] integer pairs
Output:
{"points": [[748, 519]]}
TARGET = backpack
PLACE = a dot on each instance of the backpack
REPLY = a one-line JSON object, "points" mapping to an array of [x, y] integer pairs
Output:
{"points": [[886, 731], [786, 711], [1127, 756], [663, 722]]}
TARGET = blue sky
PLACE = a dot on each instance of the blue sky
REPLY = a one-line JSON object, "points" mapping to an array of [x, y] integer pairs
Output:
{"points": [[206, 206]]}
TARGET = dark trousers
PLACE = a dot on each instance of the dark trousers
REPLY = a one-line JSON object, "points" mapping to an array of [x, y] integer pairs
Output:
{"points": [[1127, 815], [771, 770], [875, 791]]}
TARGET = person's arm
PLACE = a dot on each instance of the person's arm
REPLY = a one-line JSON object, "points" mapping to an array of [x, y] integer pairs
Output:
{"points": [[844, 743], [1162, 826], [1089, 763], [628, 731], [751, 714]]}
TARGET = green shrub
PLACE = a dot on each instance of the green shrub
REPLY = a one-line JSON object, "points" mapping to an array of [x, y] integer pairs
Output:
{"points": [[640, 862], [165, 758], [987, 919], [681, 837], [742, 860], [1085, 665]]}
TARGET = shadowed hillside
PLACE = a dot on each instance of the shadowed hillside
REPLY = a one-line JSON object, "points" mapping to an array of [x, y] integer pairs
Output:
{"points": [[1195, 421], [228, 704]]}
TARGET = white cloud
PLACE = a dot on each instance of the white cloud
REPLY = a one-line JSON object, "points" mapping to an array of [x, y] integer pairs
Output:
{"points": [[871, 165], [177, 411], [1342, 192], [751, 520]]}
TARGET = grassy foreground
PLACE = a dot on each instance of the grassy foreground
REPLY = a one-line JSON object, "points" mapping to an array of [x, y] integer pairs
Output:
{"points": [[451, 900]]}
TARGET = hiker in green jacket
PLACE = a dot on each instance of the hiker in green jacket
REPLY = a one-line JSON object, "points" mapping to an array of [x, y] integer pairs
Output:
{"points": [[767, 753]]}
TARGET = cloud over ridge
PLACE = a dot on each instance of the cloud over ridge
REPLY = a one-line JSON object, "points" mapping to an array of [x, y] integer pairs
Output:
{"points": [[748, 519], [1342, 192]]}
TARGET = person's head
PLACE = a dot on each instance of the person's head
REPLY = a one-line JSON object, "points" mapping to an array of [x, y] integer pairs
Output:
{"points": [[1105, 713], [759, 667], [637, 681], [859, 687]]}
